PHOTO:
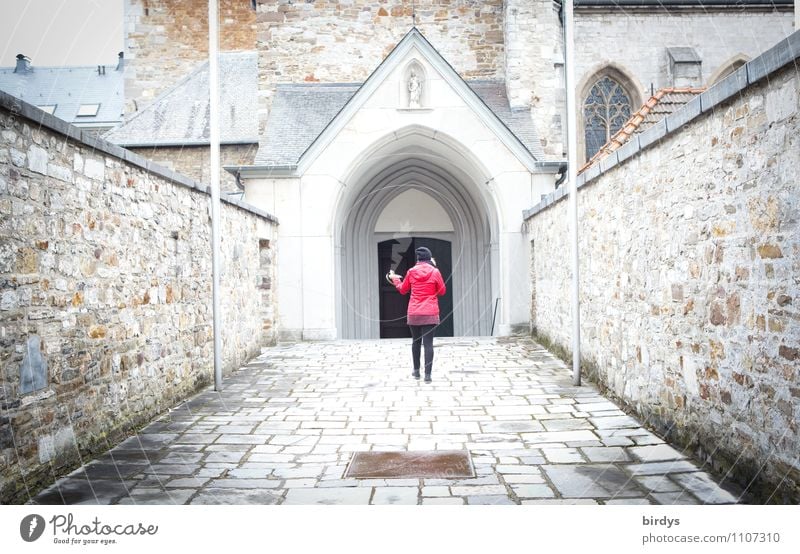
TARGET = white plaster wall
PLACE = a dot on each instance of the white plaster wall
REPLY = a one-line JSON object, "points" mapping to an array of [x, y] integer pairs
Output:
{"points": [[414, 212]]}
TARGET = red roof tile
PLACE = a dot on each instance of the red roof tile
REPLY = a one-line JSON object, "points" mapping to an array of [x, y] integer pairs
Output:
{"points": [[660, 105]]}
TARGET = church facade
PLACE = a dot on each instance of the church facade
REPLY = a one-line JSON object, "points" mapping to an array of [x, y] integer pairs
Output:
{"points": [[415, 154], [383, 126]]}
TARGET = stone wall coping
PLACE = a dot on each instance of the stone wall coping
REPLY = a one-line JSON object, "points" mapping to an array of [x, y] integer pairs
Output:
{"points": [[45, 120], [768, 63]]}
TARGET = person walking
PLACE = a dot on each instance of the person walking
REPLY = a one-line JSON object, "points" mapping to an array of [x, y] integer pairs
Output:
{"points": [[426, 285]]}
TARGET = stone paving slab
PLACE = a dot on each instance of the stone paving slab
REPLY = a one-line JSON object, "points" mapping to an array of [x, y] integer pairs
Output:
{"points": [[286, 426]]}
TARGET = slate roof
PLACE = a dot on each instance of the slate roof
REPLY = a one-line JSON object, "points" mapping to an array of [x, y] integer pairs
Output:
{"points": [[300, 112], [660, 105], [68, 88], [180, 116]]}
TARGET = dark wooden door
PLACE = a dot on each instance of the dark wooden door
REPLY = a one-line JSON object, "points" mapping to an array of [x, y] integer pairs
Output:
{"points": [[398, 254]]}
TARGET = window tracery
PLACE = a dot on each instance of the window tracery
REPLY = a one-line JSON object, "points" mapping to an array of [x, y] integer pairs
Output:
{"points": [[605, 110]]}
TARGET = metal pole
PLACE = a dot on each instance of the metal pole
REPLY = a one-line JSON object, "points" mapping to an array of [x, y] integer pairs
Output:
{"points": [[213, 86], [572, 174]]}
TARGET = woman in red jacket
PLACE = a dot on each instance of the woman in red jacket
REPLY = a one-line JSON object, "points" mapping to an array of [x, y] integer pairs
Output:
{"points": [[426, 285]]}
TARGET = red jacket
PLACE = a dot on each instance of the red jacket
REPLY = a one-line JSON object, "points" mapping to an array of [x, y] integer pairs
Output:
{"points": [[425, 282]]}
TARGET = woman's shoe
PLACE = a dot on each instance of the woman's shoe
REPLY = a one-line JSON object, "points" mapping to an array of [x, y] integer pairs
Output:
{"points": [[427, 377], [415, 374]]}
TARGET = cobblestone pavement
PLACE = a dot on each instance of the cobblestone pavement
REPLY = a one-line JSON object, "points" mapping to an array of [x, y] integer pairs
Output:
{"points": [[287, 424]]}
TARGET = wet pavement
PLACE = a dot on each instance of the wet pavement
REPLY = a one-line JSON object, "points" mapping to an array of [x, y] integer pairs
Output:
{"points": [[286, 426]]}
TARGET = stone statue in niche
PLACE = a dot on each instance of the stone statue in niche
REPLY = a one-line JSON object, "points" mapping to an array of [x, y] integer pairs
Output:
{"points": [[414, 90]]}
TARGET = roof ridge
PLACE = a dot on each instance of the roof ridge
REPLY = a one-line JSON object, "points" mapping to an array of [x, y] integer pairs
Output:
{"points": [[692, 90]]}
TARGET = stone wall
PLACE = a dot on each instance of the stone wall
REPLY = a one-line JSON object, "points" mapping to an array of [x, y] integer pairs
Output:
{"points": [[516, 40], [690, 252], [166, 39], [105, 303], [308, 41], [637, 42], [534, 66], [195, 162]]}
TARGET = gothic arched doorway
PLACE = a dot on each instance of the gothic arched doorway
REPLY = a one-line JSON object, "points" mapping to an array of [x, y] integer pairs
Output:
{"points": [[398, 254]]}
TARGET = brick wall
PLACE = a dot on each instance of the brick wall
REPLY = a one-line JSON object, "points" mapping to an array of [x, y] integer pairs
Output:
{"points": [[690, 252], [166, 39], [105, 294]]}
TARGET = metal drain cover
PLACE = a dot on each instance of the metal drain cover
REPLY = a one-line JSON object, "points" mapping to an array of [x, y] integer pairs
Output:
{"points": [[445, 464]]}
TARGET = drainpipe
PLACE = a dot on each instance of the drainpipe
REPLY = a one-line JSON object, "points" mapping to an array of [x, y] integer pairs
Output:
{"points": [[213, 85], [562, 174], [572, 176]]}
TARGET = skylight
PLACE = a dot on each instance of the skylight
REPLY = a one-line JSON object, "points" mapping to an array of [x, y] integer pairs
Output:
{"points": [[88, 110]]}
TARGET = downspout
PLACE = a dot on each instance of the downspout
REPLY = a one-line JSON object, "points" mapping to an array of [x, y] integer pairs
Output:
{"points": [[562, 174]]}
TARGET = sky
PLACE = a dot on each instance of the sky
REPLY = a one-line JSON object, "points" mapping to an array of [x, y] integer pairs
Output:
{"points": [[61, 32]]}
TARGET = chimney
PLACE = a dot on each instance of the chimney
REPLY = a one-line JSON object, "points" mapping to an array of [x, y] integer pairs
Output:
{"points": [[121, 62], [684, 67], [23, 64]]}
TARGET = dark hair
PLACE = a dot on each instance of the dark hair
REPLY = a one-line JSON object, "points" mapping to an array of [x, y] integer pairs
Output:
{"points": [[423, 254]]}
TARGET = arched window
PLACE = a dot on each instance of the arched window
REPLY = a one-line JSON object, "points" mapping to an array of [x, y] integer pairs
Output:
{"points": [[605, 110], [727, 68]]}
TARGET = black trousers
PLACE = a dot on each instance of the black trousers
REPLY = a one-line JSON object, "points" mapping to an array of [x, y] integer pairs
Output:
{"points": [[422, 335]]}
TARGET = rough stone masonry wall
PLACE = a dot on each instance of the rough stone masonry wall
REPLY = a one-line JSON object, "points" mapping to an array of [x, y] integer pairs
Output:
{"points": [[166, 39], [195, 161], [690, 300], [534, 67], [105, 300], [344, 41]]}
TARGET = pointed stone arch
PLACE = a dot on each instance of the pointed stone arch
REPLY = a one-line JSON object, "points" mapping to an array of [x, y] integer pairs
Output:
{"points": [[420, 159], [616, 73]]}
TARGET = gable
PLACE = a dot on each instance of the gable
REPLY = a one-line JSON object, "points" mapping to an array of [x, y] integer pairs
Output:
{"points": [[302, 112]]}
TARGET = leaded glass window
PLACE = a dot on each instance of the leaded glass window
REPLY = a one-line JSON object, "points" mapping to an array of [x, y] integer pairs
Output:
{"points": [[605, 111]]}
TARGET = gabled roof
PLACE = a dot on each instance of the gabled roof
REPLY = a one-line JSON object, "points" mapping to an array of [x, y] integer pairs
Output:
{"points": [[660, 105], [67, 88], [300, 112], [330, 107], [180, 116]]}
